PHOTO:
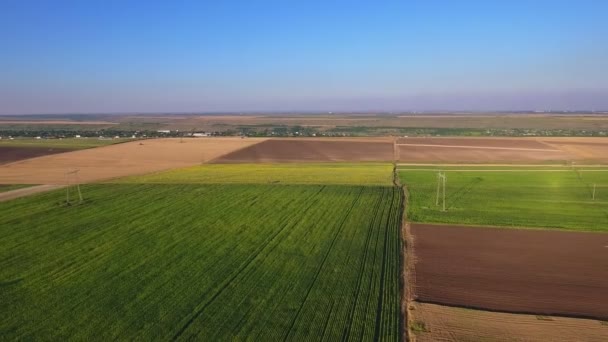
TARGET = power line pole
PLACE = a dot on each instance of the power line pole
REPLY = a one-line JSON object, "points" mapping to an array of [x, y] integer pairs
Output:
{"points": [[76, 182], [437, 192], [593, 192], [67, 188], [441, 179]]}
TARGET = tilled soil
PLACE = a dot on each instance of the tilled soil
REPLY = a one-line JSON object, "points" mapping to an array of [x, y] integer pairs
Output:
{"points": [[481, 142], [9, 154], [314, 150], [525, 271]]}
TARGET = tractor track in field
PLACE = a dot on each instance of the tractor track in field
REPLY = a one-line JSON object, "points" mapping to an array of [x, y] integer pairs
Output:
{"points": [[312, 284], [199, 312]]}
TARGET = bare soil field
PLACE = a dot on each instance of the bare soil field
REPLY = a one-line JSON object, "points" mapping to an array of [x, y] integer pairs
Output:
{"points": [[503, 150], [589, 149], [317, 150], [10, 154], [120, 160], [524, 143], [512, 270], [450, 324]]}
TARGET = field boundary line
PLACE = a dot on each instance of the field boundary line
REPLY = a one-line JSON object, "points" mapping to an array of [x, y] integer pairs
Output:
{"points": [[502, 164], [485, 147], [213, 160], [406, 268], [489, 226], [502, 170], [28, 191]]}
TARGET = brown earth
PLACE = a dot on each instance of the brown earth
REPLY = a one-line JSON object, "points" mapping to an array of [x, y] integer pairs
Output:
{"points": [[481, 142], [503, 150], [132, 158], [523, 271], [449, 324], [13, 153], [318, 150]]}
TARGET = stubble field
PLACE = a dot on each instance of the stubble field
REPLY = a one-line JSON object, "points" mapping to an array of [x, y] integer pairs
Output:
{"points": [[451, 324], [132, 158], [541, 150]]}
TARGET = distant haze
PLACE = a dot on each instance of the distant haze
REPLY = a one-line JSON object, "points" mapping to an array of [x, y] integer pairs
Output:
{"points": [[205, 56]]}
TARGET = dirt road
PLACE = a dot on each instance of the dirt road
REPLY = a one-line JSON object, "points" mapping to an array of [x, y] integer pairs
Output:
{"points": [[10, 195]]}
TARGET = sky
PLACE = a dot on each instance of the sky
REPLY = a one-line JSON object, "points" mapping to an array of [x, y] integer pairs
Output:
{"points": [[110, 56]]}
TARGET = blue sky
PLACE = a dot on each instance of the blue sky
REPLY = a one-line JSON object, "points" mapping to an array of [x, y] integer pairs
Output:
{"points": [[203, 56]]}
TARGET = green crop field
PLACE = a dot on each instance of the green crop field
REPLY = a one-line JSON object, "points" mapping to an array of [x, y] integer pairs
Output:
{"points": [[67, 143], [524, 197], [210, 262], [298, 173]]}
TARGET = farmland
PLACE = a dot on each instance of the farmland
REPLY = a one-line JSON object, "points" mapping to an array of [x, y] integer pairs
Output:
{"points": [[219, 262], [65, 143], [313, 150], [20, 149], [545, 150], [452, 324], [512, 270], [525, 197], [292, 173], [120, 160], [4, 188]]}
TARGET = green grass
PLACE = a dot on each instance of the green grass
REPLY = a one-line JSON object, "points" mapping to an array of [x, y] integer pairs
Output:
{"points": [[205, 262], [543, 199], [67, 143], [9, 187], [418, 327], [304, 173]]}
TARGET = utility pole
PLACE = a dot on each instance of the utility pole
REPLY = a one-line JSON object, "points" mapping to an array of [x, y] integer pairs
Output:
{"points": [[593, 192], [74, 175], [67, 188], [396, 151], [441, 179]]}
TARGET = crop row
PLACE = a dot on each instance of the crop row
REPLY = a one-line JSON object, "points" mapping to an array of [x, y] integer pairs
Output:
{"points": [[213, 262]]}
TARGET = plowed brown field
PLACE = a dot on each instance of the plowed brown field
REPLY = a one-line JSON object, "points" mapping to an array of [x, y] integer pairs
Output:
{"points": [[120, 160], [10, 154], [502, 150], [526, 271], [318, 150], [449, 324]]}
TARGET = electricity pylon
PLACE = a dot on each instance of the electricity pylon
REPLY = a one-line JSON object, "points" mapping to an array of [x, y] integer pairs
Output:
{"points": [[441, 179], [76, 181]]}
